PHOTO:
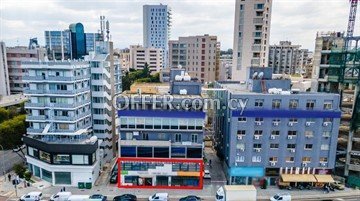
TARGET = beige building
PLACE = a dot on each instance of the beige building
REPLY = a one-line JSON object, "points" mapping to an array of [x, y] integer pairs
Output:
{"points": [[124, 56], [15, 57], [140, 55], [251, 36], [198, 54]]}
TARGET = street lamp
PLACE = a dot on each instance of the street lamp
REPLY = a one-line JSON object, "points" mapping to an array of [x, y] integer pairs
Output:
{"points": [[3, 160]]}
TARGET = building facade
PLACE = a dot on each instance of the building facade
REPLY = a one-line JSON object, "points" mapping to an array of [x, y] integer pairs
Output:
{"points": [[139, 56], [156, 28], [15, 57], [251, 36], [161, 147], [225, 67], [4, 74], [286, 58], [199, 55], [277, 133]]}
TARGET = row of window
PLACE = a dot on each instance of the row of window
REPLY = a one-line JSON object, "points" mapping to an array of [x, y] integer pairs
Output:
{"points": [[161, 136], [294, 104], [257, 146], [143, 166], [276, 133], [62, 159], [160, 152], [274, 159], [161, 123]]}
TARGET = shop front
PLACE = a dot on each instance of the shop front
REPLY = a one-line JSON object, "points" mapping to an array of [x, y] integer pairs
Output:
{"points": [[272, 175], [160, 173], [246, 175]]}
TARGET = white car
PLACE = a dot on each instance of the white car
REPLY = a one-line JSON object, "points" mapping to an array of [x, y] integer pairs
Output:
{"points": [[32, 196], [159, 197], [282, 197], [207, 174], [60, 196]]}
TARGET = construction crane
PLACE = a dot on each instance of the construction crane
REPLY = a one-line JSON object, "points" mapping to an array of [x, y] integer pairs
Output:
{"points": [[352, 18]]}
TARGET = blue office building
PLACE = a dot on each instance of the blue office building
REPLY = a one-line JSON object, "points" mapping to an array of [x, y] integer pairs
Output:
{"points": [[279, 131]]}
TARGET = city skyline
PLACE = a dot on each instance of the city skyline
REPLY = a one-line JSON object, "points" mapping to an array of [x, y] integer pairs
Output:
{"points": [[303, 20]]}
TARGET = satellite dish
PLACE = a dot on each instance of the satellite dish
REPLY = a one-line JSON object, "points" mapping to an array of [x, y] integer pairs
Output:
{"points": [[261, 75], [254, 75]]}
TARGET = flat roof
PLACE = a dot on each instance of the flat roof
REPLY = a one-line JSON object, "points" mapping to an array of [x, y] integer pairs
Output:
{"points": [[15, 99]]}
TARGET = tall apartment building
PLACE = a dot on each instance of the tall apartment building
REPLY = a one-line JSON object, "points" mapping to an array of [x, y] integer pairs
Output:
{"points": [[72, 43], [287, 58], [161, 147], [199, 55], [4, 74], [140, 55], [278, 133], [324, 44], [156, 28], [251, 36], [71, 120], [15, 57]]}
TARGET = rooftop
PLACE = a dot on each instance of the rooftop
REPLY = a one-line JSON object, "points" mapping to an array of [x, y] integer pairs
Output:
{"points": [[15, 99]]}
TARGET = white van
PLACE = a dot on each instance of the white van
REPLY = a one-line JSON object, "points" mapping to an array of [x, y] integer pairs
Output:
{"points": [[159, 197], [32, 196], [282, 197], [60, 196], [79, 198]]}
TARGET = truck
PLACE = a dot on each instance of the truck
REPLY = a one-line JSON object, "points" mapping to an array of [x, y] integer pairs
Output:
{"points": [[236, 193]]}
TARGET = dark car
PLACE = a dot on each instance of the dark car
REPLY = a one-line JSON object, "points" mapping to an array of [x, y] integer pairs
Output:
{"points": [[190, 198], [98, 197], [113, 178], [125, 197]]}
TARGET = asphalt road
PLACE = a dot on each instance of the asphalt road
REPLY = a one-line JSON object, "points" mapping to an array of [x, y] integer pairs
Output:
{"points": [[8, 159]]}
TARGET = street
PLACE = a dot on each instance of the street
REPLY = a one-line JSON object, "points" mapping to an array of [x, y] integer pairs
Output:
{"points": [[8, 159]]}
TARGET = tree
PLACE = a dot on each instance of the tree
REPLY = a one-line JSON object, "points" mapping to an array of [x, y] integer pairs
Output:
{"points": [[19, 169], [4, 114], [11, 132]]}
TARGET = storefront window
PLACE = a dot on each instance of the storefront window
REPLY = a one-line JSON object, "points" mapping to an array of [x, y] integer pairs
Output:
{"points": [[61, 159], [62, 178], [46, 175], [184, 181], [36, 171], [44, 156]]}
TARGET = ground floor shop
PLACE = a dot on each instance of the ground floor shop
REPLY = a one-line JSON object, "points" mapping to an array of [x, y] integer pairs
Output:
{"points": [[160, 173], [64, 175]]}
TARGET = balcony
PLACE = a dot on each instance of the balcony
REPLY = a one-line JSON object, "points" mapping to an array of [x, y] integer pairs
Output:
{"points": [[60, 92], [55, 78], [57, 105], [38, 117]]}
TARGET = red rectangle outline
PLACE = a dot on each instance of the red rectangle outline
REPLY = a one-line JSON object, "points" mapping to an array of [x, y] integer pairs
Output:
{"points": [[200, 161]]}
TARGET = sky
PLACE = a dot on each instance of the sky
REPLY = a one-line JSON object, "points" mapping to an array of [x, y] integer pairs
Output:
{"points": [[294, 20]]}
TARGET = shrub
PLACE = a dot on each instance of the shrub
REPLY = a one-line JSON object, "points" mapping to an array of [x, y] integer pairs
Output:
{"points": [[27, 175], [20, 170]]}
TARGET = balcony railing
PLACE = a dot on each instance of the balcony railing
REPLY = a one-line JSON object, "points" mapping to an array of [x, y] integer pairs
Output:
{"points": [[58, 105], [62, 92]]}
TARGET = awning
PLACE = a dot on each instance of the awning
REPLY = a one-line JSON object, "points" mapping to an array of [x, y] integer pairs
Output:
{"points": [[324, 178], [298, 178]]}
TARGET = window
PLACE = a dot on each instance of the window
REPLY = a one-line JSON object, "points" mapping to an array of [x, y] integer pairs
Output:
{"points": [[293, 120], [242, 119], [194, 153], [310, 120], [258, 132], [145, 136], [63, 178], [256, 159], [259, 6], [177, 137], [194, 138], [44, 156], [328, 105], [306, 159], [308, 146], [276, 121], [274, 146], [273, 159], [259, 119], [326, 134], [259, 103], [80, 159], [293, 104], [275, 133], [323, 160], [241, 132], [289, 159], [242, 7], [145, 152], [309, 134], [328, 120], [161, 152], [61, 159], [291, 146], [257, 146], [292, 133], [240, 159], [276, 104], [177, 152], [324, 147], [310, 104], [240, 146]]}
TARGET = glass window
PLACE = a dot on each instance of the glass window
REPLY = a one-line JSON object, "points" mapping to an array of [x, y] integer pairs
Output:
{"points": [[276, 104], [145, 152], [157, 123], [293, 104], [191, 124], [194, 152], [140, 122], [309, 134], [183, 123], [274, 146], [166, 123], [61, 159], [242, 119], [80, 159], [174, 124], [149, 123], [44, 156], [177, 137], [161, 152], [324, 147], [310, 104], [328, 105], [123, 122], [289, 159], [46, 175], [178, 152], [199, 124], [63, 178], [128, 151], [131, 122], [194, 138], [259, 103], [308, 146]]}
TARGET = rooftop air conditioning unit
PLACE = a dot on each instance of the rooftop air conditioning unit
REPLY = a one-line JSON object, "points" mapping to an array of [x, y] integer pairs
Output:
{"points": [[272, 163], [290, 137], [292, 150], [291, 123], [326, 124], [256, 137], [275, 123], [272, 137], [257, 149], [258, 123], [239, 137], [304, 164], [308, 123]]}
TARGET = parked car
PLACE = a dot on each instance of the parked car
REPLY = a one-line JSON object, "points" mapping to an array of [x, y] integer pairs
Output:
{"points": [[32, 196], [125, 197], [113, 178], [60, 196], [337, 185], [207, 174], [190, 198], [79, 198], [159, 197], [98, 197], [282, 197]]}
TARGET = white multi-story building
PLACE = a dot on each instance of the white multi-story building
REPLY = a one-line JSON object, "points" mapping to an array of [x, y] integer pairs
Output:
{"points": [[17, 55], [140, 55], [225, 67], [71, 117], [4, 74], [251, 36], [286, 58], [156, 28]]}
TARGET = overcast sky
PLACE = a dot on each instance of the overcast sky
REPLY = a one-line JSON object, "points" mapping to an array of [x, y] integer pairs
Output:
{"points": [[294, 20]]}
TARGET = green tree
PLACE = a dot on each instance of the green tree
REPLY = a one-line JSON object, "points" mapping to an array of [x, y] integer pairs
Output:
{"points": [[11, 132], [4, 114], [19, 169]]}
